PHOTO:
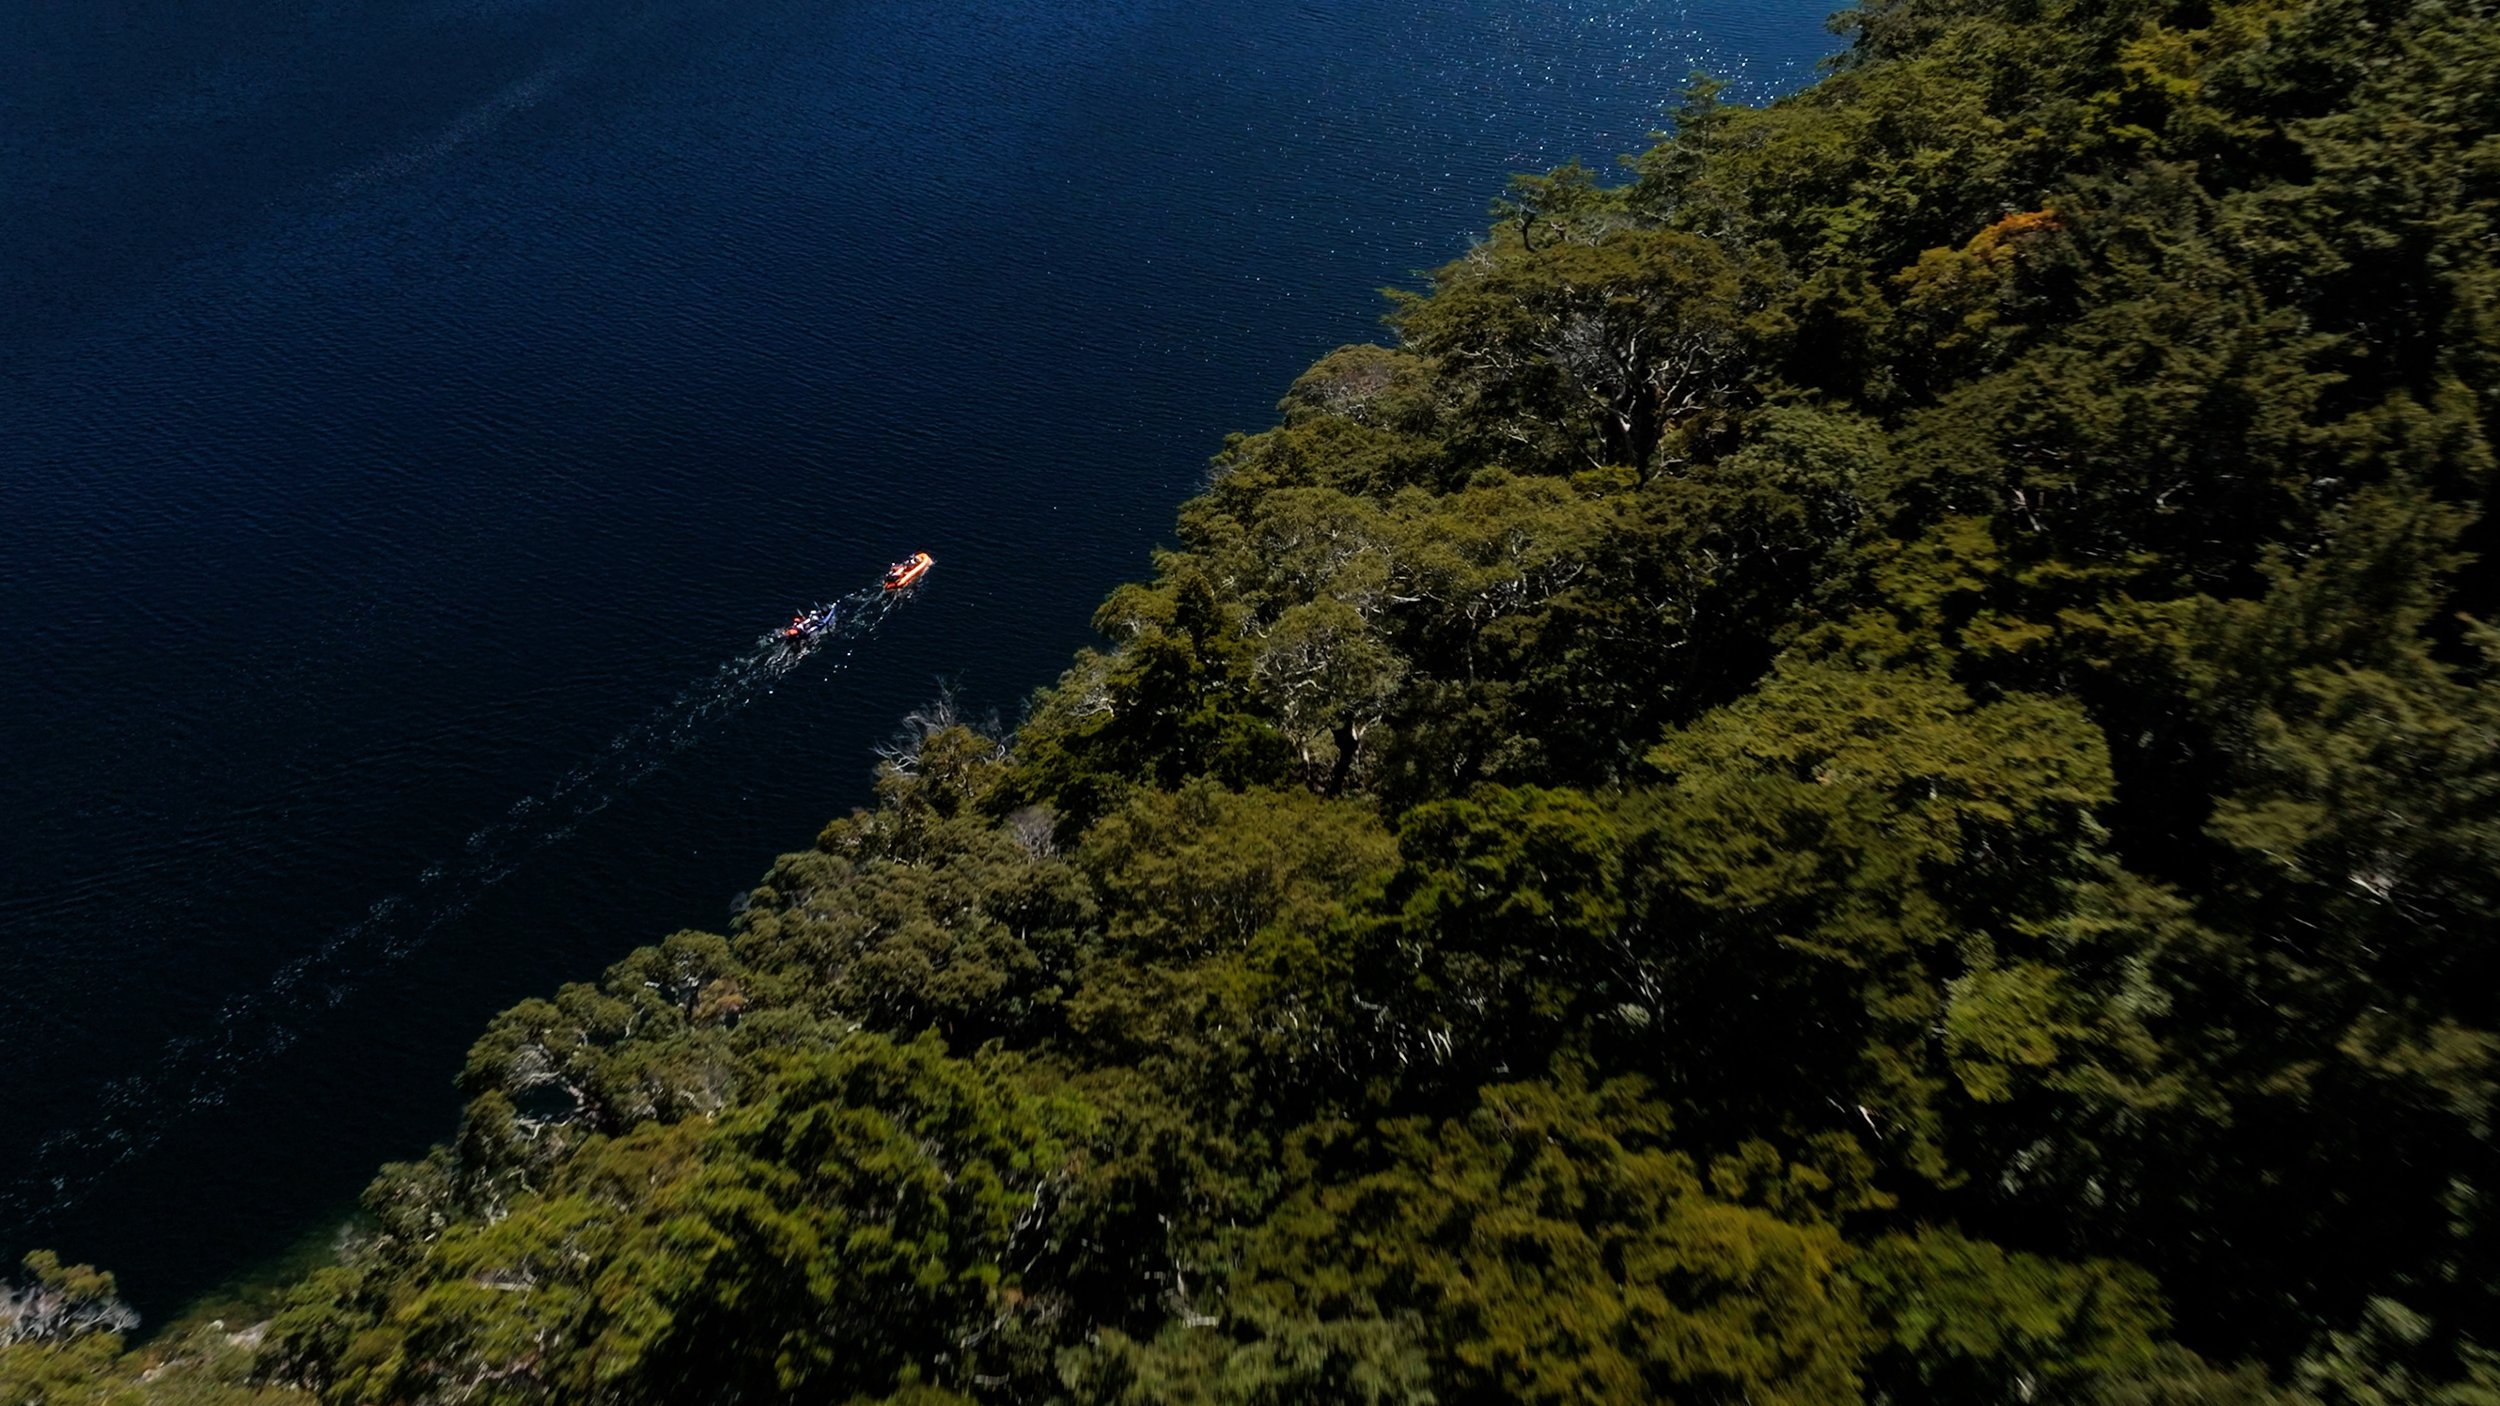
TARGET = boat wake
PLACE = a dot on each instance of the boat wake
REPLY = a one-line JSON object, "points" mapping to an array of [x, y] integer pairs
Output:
{"points": [[197, 1072]]}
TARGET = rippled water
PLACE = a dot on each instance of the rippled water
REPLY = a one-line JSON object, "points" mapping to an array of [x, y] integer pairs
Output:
{"points": [[410, 410]]}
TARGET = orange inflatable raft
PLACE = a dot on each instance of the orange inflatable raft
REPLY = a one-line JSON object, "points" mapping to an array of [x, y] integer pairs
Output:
{"points": [[909, 570]]}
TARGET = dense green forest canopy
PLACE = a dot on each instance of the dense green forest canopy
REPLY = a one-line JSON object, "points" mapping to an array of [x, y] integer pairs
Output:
{"points": [[1863, 766]]}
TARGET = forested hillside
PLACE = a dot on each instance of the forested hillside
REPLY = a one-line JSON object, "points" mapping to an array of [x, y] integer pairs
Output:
{"points": [[1862, 766]]}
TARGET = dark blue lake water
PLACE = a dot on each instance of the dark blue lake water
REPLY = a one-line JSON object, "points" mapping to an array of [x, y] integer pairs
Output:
{"points": [[412, 410]]}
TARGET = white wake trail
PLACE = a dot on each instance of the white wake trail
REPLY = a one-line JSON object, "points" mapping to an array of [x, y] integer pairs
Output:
{"points": [[131, 1114]]}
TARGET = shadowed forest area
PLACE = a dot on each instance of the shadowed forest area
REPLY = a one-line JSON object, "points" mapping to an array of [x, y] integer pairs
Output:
{"points": [[1863, 767]]}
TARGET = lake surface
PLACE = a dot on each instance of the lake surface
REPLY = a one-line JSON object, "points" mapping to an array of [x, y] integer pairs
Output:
{"points": [[411, 411]]}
